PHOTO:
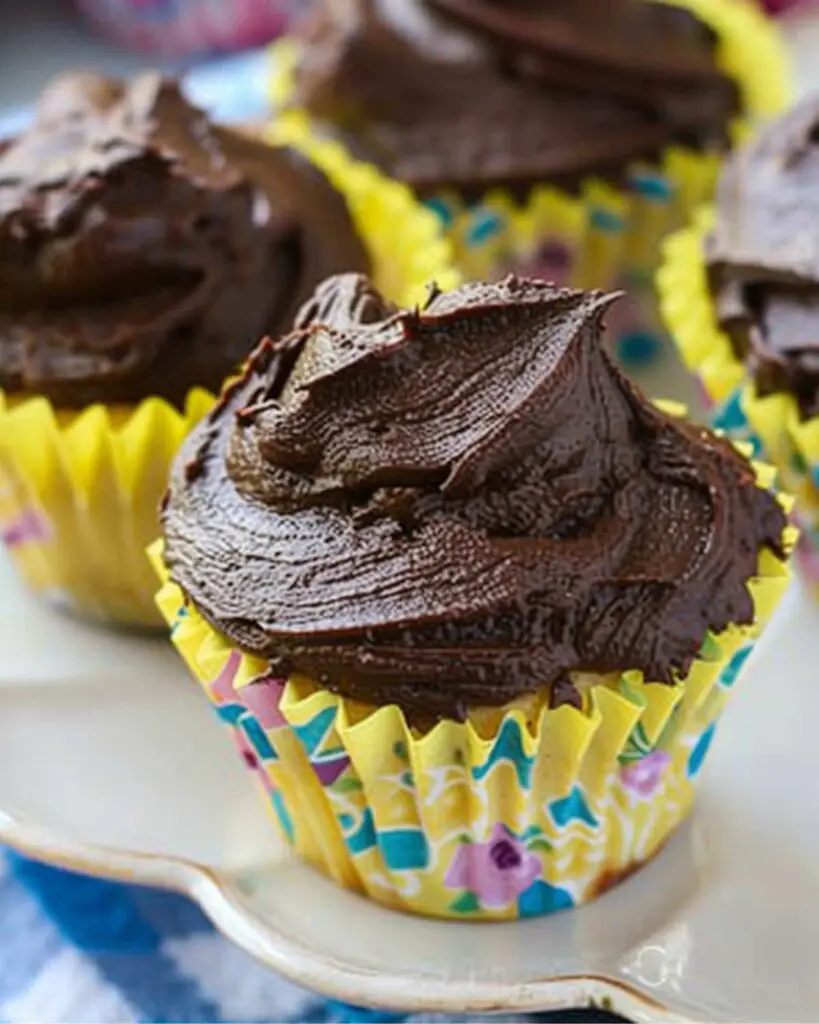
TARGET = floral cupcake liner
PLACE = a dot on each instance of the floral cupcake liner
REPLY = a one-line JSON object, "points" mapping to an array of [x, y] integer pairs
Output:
{"points": [[79, 491], [518, 811], [606, 237]]}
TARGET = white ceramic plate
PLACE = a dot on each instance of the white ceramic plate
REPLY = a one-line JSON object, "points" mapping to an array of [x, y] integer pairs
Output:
{"points": [[111, 763]]}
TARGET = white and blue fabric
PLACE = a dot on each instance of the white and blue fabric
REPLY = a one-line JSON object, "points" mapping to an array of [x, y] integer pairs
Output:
{"points": [[78, 950]]}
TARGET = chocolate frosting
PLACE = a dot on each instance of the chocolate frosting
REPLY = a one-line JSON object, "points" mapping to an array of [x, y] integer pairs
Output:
{"points": [[451, 507], [145, 250], [764, 255], [476, 93]]}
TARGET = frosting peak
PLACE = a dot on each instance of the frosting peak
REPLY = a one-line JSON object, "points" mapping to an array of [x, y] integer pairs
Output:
{"points": [[475, 93], [452, 506], [318, 439], [144, 249]]}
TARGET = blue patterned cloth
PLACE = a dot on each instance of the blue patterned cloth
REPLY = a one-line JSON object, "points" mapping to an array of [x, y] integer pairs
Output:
{"points": [[77, 950]]}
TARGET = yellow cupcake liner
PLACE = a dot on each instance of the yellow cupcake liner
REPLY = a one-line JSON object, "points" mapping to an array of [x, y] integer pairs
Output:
{"points": [[604, 237], [519, 811], [688, 313], [771, 423], [79, 491]]}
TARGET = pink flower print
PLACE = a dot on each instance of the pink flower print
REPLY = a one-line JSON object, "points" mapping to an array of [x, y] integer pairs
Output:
{"points": [[497, 872], [251, 760], [262, 697], [222, 686], [807, 558], [29, 526], [705, 397], [643, 777]]}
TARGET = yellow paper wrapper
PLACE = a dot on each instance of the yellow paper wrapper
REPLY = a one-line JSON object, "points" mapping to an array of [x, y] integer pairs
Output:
{"points": [[771, 423], [519, 811], [606, 237], [79, 491]]}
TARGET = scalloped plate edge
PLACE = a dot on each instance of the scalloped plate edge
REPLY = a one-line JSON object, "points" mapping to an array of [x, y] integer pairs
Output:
{"points": [[229, 911]]}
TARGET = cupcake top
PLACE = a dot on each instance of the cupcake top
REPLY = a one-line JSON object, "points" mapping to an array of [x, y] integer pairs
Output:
{"points": [[471, 94], [145, 250], [450, 507], [763, 255]]}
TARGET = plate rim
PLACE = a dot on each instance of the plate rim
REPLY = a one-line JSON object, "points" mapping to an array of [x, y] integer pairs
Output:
{"points": [[220, 899]]}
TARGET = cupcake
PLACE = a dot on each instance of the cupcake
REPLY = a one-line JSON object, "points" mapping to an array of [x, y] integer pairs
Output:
{"points": [[190, 27], [144, 251], [740, 291], [473, 604], [561, 140]]}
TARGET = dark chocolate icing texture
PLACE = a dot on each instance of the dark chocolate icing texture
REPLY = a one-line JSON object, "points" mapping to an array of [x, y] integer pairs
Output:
{"points": [[145, 250], [476, 93], [452, 507], [764, 255]]}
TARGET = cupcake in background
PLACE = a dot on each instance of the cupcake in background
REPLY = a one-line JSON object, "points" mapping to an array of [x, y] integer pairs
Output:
{"points": [[562, 140], [191, 27], [144, 251], [740, 293], [474, 604]]}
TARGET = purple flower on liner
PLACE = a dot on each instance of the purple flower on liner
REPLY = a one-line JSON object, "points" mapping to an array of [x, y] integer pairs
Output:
{"points": [[643, 777], [497, 872], [28, 526], [330, 769], [262, 697]]}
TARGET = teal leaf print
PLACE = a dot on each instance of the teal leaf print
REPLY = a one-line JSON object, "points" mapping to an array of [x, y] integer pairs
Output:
{"points": [[733, 668], [404, 849], [531, 832], [697, 755], [466, 903], [572, 807], [543, 898], [508, 747]]}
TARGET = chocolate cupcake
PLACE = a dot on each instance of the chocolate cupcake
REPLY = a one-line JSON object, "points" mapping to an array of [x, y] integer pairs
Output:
{"points": [[508, 119], [741, 294], [144, 251], [456, 543]]}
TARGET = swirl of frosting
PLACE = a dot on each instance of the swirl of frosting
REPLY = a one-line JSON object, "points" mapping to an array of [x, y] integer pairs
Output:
{"points": [[145, 250], [476, 93], [763, 255], [450, 507]]}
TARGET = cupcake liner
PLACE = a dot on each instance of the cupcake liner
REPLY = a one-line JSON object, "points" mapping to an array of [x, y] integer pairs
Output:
{"points": [[686, 308], [78, 499], [519, 811], [771, 423], [79, 491], [605, 237]]}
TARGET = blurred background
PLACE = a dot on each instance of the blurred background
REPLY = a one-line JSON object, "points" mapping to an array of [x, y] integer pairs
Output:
{"points": [[42, 37]]}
